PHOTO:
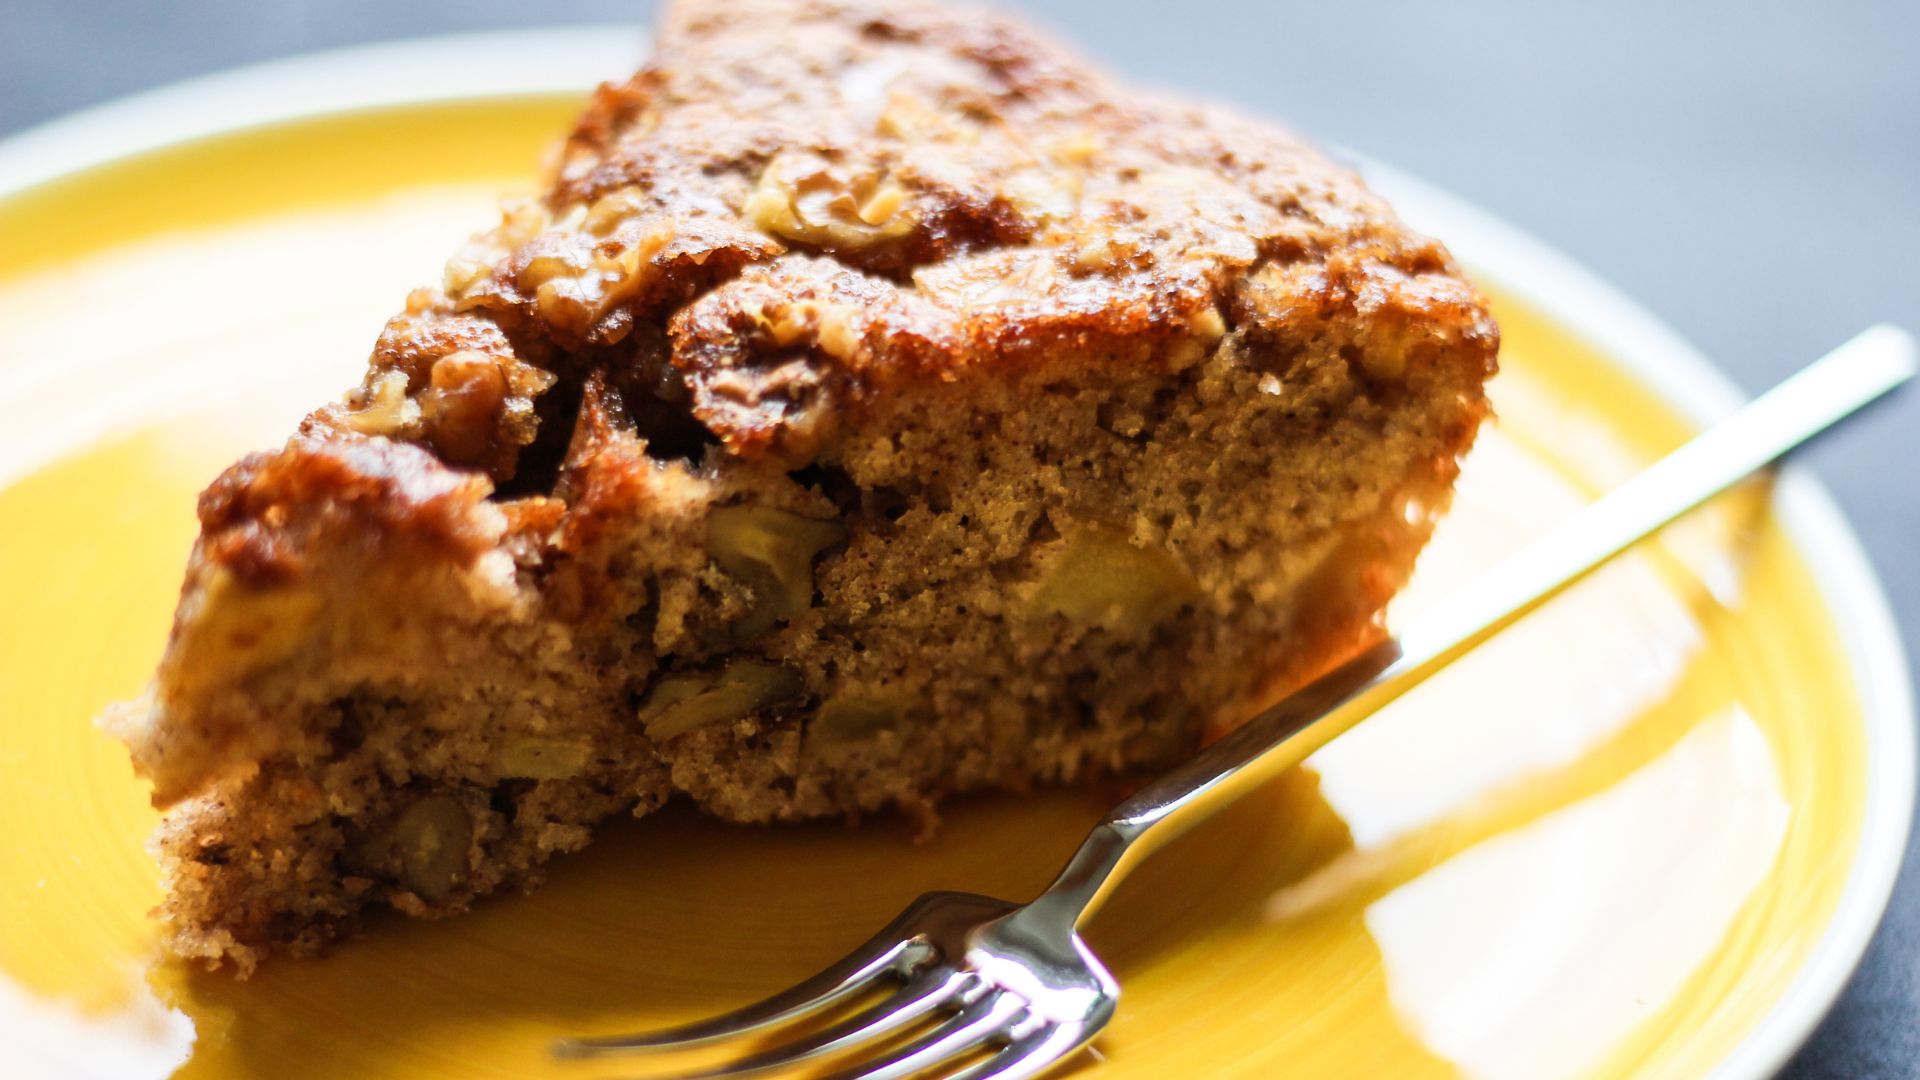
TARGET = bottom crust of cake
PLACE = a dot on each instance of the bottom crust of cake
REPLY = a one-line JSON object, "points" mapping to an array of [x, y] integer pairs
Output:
{"points": [[288, 862]]}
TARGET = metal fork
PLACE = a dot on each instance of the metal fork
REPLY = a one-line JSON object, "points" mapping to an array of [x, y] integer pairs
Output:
{"points": [[986, 989]]}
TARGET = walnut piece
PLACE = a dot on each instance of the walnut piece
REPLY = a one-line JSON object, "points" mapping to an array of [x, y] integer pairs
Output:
{"points": [[462, 403], [800, 197], [433, 835], [388, 411], [685, 702], [770, 552]]}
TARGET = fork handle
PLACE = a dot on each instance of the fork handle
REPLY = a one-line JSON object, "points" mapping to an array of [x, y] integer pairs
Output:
{"points": [[1833, 387]]}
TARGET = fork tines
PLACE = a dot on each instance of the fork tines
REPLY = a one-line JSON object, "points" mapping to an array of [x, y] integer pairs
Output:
{"points": [[933, 1007]]}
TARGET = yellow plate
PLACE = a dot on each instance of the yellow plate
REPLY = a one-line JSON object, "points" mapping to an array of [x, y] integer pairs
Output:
{"points": [[1645, 834]]}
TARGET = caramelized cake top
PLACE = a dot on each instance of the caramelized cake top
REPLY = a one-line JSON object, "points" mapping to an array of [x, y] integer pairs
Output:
{"points": [[796, 209]]}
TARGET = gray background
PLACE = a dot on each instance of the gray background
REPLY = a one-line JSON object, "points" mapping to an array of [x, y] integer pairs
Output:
{"points": [[1749, 171]]}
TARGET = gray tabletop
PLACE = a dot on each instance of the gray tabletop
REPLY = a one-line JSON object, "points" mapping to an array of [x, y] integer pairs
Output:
{"points": [[1749, 172]]}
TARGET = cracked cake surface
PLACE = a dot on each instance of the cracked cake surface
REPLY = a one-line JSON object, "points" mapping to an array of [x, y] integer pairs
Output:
{"points": [[879, 404]]}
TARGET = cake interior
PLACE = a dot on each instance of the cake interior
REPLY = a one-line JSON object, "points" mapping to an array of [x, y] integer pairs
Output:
{"points": [[773, 645]]}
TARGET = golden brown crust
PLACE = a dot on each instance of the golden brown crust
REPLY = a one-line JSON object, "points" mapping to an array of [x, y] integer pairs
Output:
{"points": [[833, 199], [263, 516]]}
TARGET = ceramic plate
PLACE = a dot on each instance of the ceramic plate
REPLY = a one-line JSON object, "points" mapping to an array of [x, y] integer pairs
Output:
{"points": [[1645, 833]]}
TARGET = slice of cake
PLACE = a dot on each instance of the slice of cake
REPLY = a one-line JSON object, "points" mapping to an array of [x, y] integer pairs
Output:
{"points": [[879, 405]]}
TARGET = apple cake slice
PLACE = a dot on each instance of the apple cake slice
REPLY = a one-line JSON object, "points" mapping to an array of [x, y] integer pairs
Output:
{"points": [[878, 405]]}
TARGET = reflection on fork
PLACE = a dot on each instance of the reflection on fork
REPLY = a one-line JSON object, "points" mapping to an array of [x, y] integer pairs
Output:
{"points": [[980, 983]]}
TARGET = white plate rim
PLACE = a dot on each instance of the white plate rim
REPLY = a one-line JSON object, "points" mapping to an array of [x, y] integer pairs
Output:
{"points": [[510, 63]]}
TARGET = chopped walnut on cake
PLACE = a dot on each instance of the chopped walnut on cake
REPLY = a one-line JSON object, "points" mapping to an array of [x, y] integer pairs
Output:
{"points": [[880, 404]]}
